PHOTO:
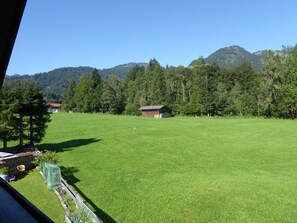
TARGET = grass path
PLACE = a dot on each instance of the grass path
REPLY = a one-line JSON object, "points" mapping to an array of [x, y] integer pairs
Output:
{"points": [[35, 190], [179, 169]]}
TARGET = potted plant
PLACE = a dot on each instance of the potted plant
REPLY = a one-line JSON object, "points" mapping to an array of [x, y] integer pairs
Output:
{"points": [[4, 173]]}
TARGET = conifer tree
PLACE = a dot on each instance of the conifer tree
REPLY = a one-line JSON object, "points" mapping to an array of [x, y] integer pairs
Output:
{"points": [[69, 102]]}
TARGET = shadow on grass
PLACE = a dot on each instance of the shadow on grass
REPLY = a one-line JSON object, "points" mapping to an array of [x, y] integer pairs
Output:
{"points": [[20, 176], [99, 212], [67, 145], [68, 175]]}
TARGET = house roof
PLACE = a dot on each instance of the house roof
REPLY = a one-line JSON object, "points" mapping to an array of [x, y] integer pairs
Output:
{"points": [[152, 107], [55, 105]]}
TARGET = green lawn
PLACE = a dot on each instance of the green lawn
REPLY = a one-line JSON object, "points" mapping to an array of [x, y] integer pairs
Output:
{"points": [[33, 188], [179, 169]]}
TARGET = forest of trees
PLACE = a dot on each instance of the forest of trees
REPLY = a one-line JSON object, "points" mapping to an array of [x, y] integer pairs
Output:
{"points": [[23, 113], [201, 89]]}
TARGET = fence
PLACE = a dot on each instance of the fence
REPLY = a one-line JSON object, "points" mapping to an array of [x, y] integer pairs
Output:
{"points": [[84, 209]]}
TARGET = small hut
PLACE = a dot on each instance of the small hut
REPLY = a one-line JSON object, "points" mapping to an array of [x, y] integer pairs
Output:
{"points": [[159, 111]]}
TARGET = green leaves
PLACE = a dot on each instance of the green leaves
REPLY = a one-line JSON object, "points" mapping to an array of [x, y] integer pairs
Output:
{"points": [[46, 157], [24, 113], [201, 89]]}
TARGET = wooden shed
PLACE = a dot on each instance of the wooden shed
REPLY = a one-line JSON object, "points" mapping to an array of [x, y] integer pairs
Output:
{"points": [[159, 111]]}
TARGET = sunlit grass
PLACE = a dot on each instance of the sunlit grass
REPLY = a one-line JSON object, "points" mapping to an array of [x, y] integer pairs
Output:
{"points": [[179, 169], [33, 188]]}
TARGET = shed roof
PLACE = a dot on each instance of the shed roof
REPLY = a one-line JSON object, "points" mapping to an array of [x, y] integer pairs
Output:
{"points": [[152, 107], [55, 105]]}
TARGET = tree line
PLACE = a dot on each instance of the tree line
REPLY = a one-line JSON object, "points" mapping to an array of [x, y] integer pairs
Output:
{"points": [[202, 89], [23, 113]]}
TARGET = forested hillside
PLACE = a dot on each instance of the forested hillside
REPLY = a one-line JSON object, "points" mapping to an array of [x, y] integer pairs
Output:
{"points": [[230, 57], [202, 89], [55, 83]]}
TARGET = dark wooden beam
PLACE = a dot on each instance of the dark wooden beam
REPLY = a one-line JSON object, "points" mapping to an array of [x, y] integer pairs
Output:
{"points": [[15, 200], [11, 12]]}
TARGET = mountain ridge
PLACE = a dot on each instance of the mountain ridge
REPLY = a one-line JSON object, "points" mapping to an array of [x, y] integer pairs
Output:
{"points": [[55, 83], [233, 56]]}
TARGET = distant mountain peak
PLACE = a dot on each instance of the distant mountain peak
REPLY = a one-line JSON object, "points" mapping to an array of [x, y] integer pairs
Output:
{"points": [[232, 56], [232, 50], [234, 47]]}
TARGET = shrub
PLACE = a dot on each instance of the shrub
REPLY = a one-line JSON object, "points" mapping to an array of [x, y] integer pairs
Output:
{"points": [[131, 109], [4, 170], [80, 216], [46, 157], [70, 203]]}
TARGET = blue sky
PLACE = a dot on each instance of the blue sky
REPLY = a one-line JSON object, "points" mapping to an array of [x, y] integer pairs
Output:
{"points": [[106, 33]]}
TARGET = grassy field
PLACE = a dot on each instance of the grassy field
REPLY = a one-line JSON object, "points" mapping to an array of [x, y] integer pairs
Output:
{"points": [[33, 188], [179, 169]]}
